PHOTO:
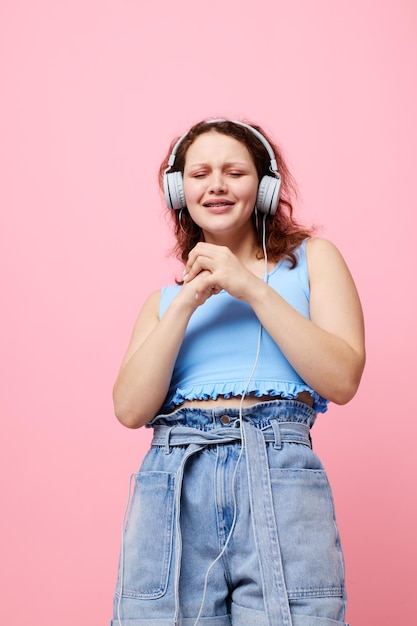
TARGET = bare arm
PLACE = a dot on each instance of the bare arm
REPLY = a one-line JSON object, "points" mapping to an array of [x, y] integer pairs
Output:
{"points": [[146, 370], [328, 350]]}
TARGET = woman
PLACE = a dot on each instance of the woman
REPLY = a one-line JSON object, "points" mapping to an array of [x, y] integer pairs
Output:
{"points": [[231, 519]]}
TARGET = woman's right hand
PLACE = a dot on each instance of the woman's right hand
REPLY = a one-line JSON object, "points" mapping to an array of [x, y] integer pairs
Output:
{"points": [[197, 291]]}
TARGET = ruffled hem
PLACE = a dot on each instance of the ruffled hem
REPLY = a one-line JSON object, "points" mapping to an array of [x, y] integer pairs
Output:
{"points": [[257, 388]]}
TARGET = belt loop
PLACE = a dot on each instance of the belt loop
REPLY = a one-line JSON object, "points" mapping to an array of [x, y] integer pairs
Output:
{"points": [[277, 433], [167, 438]]}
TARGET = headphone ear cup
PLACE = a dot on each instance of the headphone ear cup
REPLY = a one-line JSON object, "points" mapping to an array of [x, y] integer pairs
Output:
{"points": [[174, 190], [268, 194]]}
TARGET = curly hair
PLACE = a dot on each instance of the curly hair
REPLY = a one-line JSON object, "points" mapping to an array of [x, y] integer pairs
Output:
{"points": [[283, 233]]}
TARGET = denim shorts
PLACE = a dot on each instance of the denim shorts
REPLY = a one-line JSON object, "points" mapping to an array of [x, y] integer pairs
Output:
{"points": [[231, 522]]}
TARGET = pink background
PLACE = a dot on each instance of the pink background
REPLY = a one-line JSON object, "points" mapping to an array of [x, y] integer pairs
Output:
{"points": [[92, 91]]}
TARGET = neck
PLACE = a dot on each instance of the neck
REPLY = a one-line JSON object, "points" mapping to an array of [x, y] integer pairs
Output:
{"points": [[244, 246]]}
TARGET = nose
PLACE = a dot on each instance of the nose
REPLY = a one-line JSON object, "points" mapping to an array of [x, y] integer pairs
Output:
{"points": [[217, 183]]}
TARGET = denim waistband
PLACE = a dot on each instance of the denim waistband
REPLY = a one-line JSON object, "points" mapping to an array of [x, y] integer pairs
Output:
{"points": [[275, 432], [276, 422], [259, 414]]}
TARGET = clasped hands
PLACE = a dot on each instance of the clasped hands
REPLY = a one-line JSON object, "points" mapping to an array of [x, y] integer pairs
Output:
{"points": [[211, 268]]}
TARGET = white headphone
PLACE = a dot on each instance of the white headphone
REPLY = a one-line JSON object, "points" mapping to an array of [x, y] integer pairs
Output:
{"points": [[269, 186]]}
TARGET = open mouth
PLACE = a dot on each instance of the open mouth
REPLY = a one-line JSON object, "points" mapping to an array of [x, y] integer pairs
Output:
{"points": [[224, 203]]}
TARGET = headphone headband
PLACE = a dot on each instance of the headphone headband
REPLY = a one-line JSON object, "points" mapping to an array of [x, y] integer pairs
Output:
{"points": [[269, 186]]}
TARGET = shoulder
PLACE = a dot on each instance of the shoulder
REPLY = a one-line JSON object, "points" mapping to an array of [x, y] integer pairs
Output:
{"points": [[159, 296], [153, 299], [150, 307], [166, 295], [147, 319], [322, 253], [317, 246], [326, 267]]}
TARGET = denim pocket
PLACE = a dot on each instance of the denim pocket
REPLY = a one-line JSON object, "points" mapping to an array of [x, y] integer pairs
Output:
{"points": [[147, 542], [309, 540]]}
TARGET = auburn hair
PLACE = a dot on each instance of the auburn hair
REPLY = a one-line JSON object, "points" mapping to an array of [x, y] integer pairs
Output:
{"points": [[283, 233]]}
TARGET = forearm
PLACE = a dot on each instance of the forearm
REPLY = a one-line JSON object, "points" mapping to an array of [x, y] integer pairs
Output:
{"points": [[144, 378], [325, 360]]}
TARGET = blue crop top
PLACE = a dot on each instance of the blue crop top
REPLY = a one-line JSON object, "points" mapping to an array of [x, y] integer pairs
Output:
{"points": [[220, 345]]}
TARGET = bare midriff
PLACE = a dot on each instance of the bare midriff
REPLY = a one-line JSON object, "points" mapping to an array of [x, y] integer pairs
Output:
{"points": [[249, 400]]}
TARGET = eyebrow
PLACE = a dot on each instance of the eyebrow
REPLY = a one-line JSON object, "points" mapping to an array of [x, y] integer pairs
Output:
{"points": [[227, 164]]}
